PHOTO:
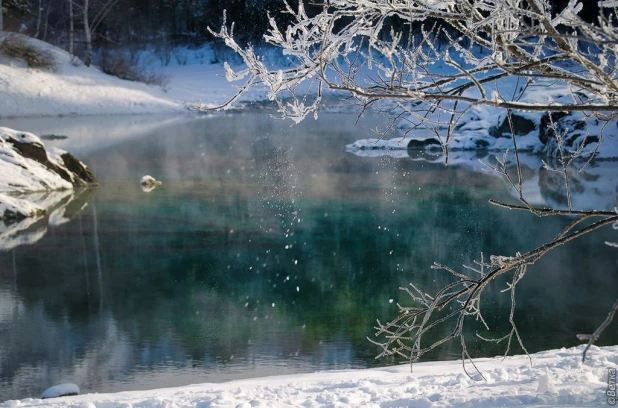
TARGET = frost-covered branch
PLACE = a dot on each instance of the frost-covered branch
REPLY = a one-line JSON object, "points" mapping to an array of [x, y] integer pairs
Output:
{"points": [[459, 301], [595, 336], [441, 60], [351, 46]]}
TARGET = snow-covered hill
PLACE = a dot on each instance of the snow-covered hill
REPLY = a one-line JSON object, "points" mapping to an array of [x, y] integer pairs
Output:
{"points": [[72, 88]]}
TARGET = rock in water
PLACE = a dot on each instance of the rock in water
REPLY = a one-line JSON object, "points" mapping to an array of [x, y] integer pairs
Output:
{"points": [[57, 161], [61, 390], [149, 181], [53, 137]]}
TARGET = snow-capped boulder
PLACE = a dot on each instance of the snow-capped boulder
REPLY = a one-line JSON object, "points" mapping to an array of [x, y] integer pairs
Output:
{"points": [[61, 390], [26, 166], [148, 180], [149, 183], [57, 161]]}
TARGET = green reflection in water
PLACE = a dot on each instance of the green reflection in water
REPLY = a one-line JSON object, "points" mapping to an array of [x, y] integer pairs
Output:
{"points": [[266, 252]]}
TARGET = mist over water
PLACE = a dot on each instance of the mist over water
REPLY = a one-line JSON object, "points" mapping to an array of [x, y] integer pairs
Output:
{"points": [[268, 249]]}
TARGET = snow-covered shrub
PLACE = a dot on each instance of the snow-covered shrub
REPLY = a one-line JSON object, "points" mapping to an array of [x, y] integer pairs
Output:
{"points": [[181, 59], [17, 46], [122, 66], [164, 52]]}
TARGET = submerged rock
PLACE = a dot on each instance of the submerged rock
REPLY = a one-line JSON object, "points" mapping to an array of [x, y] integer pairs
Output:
{"points": [[61, 390], [54, 137]]}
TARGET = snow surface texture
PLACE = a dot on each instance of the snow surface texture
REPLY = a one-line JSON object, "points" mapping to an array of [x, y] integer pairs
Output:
{"points": [[554, 378], [149, 183]]}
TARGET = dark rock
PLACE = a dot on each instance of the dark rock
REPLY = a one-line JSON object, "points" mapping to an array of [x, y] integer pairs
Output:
{"points": [[481, 143], [566, 124], [424, 144], [81, 172], [521, 126], [53, 137], [35, 151]]}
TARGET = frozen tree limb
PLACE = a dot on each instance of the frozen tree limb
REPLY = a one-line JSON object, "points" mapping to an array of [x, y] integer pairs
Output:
{"points": [[595, 336], [518, 39]]}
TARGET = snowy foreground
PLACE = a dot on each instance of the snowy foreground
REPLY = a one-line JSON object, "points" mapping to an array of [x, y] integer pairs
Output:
{"points": [[554, 378]]}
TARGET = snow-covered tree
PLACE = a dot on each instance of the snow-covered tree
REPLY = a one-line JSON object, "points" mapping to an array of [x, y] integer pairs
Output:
{"points": [[488, 40], [438, 60]]}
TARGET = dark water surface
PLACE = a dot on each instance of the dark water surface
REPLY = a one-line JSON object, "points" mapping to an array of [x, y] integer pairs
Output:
{"points": [[268, 250]]}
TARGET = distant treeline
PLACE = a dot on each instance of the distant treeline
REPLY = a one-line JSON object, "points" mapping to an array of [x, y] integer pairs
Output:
{"points": [[140, 21], [134, 22]]}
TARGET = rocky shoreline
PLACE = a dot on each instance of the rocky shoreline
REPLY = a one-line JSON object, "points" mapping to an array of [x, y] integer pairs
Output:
{"points": [[28, 166]]}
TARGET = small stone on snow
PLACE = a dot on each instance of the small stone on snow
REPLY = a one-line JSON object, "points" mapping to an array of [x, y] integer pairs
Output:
{"points": [[61, 390]]}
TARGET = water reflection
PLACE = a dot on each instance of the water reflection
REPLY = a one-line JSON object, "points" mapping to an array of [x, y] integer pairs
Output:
{"points": [[593, 184], [267, 250], [60, 206]]}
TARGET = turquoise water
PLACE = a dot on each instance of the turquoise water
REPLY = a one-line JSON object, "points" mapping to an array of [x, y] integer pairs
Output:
{"points": [[268, 250]]}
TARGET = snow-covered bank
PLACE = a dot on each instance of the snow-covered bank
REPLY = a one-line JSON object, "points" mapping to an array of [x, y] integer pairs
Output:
{"points": [[492, 133], [553, 378], [73, 89]]}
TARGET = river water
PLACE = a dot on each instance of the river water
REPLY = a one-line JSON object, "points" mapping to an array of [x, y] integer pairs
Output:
{"points": [[269, 250]]}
